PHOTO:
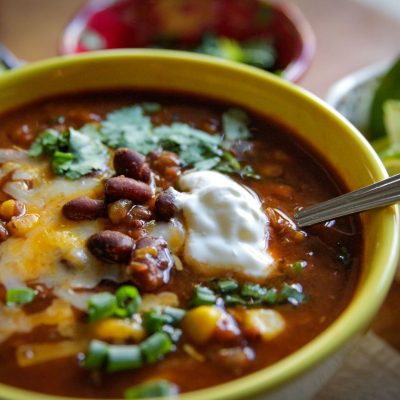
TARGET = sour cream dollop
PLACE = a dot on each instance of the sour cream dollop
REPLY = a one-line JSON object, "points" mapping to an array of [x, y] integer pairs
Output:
{"points": [[226, 227]]}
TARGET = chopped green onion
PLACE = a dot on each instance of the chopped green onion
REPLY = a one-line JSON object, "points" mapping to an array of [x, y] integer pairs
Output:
{"points": [[203, 296], [270, 297], [20, 296], [153, 320], [176, 314], [226, 285], [97, 355], [159, 388], [156, 346], [128, 300], [123, 357], [234, 300], [101, 305], [174, 333], [293, 294], [253, 290]]}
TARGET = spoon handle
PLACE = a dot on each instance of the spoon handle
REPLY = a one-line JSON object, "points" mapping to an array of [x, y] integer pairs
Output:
{"points": [[379, 194]]}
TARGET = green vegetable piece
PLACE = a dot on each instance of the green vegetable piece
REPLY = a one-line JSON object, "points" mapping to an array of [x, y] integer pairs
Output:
{"points": [[235, 300], [299, 265], [270, 297], [101, 305], [47, 143], [235, 122], [293, 294], [96, 356], [153, 320], [176, 314], [128, 300], [151, 107], [203, 296], [389, 88], [129, 127], [174, 333], [253, 290], [226, 285], [123, 357], [159, 388], [17, 296], [74, 153], [156, 346]]}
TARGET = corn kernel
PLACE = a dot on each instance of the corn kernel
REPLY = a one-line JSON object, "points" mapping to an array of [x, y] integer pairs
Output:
{"points": [[143, 251], [11, 208], [20, 226], [118, 330], [200, 323], [261, 322]]}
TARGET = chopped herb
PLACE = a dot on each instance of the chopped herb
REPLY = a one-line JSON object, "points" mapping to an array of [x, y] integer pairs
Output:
{"points": [[176, 314], [17, 296], [97, 355], [154, 320], [235, 125], [203, 296], [253, 290], [235, 300], [123, 357], [74, 153], [270, 297], [159, 388], [156, 346], [293, 294], [128, 127], [228, 285], [102, 305], [128, 299]]}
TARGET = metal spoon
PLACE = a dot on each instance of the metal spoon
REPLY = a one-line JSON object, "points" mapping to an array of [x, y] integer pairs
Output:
{"points": [[379, 194]]}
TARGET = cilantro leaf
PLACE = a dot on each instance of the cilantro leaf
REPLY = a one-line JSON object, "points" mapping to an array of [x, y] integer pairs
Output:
{"points": [[128, 127], [74, 153], [234, 123], [47, 143]]}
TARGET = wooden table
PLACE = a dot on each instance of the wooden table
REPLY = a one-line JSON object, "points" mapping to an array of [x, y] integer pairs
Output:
{"points": [[349, 37]]}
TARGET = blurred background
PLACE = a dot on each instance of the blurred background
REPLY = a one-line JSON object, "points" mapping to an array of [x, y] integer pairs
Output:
{"points": [[350, 34]]}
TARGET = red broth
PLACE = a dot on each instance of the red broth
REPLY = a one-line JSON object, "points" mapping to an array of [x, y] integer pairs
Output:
{"points": [[292, 176]]}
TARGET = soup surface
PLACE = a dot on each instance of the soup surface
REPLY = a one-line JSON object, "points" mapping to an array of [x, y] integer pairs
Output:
{"points": [[177, 270]]}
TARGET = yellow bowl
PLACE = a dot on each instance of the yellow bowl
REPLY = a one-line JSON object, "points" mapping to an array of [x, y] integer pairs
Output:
{"points": [[301, 374]]}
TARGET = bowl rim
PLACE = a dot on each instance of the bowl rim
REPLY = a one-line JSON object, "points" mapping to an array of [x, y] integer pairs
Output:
{"points": [[350, 322], [294, 71]]}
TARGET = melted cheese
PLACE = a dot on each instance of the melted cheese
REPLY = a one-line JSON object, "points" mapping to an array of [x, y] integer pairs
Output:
{"points": [[54, 251], [226, 227]]}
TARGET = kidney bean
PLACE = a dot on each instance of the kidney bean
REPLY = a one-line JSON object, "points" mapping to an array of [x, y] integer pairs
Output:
{"points": [[165, 207], [131, 164], [122, 187], [111, 246], [83, 208], [150, 264]]}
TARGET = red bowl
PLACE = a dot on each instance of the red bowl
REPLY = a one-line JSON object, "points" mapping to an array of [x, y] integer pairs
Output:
{"points": [[143, 23]]}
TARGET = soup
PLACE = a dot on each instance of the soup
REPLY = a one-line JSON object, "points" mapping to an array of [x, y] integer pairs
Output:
{"points": [[148, 246]]}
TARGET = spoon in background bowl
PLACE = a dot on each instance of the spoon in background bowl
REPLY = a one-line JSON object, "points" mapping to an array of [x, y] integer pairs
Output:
{"points": [[377, 195]]}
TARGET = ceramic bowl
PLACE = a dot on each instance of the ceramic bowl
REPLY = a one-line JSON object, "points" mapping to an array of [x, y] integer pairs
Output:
{"points": [[303, 373], [134, 23]]}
